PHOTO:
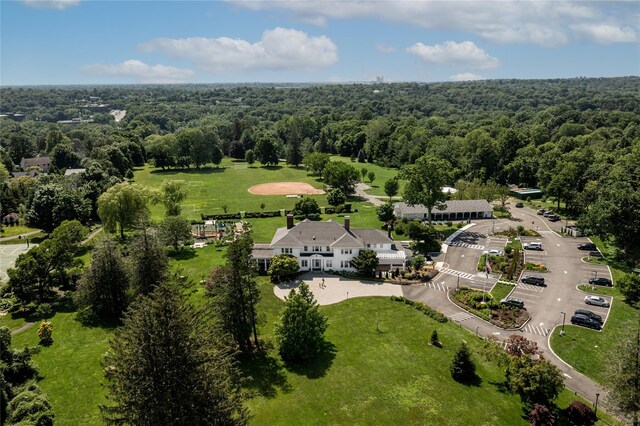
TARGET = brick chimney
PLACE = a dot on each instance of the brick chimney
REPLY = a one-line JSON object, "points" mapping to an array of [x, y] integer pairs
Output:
{"points": [[289, 221], [347, 223]]}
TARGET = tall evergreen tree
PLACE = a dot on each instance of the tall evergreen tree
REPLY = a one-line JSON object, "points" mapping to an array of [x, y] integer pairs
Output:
{"points": [[300, 333], [462, 367], [235, 294], [148, 262], [103, 285], [168, 365]]}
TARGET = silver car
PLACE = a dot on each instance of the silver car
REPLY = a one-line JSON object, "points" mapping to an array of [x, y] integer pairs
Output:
{"points": [[596, 300]]}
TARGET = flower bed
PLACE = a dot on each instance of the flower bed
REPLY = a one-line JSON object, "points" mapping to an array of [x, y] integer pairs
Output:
{"points": [[536, 267], [492, 311]]}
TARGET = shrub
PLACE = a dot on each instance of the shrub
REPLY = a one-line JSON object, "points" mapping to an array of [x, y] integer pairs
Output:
{"points": [[434, 314], [44, 310], [282, 266], [581, 414], [434, 339], [45, 333], [450, 224], [541, 416]]}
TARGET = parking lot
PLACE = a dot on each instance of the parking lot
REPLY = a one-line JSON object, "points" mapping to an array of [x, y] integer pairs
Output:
{"points": [[560, 255], [8, 256]]}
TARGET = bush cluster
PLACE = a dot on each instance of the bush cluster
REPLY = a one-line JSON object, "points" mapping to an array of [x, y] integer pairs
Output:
{"points": [[220, 216], [276, 213], [436, 315]]}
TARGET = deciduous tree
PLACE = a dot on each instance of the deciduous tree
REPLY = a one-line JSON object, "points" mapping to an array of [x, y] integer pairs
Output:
{"points": [[173, 193], [175, 230], [282, 266], [425, 180], [122, 205], [391, 187], [341, 175], [365, 262]]}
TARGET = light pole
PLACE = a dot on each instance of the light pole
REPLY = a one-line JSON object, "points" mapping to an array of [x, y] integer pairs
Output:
{"points": [[458, 285], [563, 316], [493, 226], [595, 411]]}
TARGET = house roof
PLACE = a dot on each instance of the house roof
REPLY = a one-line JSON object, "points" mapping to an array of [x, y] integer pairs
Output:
{"points": [[452, 206], [330, 233], [69, 172], [35, 161], [30, 173]]}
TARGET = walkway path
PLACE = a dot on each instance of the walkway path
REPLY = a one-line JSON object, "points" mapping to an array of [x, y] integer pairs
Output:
{"points": [[91, 236], [23, 328], [15, 237], [337, 288], [360, 188]]}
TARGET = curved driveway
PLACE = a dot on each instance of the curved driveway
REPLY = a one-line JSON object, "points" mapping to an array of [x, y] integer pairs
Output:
{"points": [[545, 304]]}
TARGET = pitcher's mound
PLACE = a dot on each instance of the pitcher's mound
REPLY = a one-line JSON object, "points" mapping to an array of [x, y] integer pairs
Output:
{"points": [[284, 188]]}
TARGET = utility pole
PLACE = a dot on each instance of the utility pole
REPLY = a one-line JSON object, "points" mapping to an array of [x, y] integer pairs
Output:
{"points": [[563, 317]]}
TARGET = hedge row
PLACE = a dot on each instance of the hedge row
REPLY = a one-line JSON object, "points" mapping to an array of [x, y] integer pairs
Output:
{"points": [[276, 213], [220, 216], [343, 208], [436, 315]]}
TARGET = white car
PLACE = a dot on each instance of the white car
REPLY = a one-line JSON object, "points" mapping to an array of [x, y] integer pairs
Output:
{"points": [[532, 246], [494, 252], [596, 300]]}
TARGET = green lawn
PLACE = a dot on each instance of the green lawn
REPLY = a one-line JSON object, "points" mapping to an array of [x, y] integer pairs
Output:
{"points": [[70, 368], [383, 174], [500, 290], [11, 231], [211, 188], [35, 238], [391, 376]]}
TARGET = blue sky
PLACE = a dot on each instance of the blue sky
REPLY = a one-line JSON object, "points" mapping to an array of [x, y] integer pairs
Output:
{"points": [[112, 42]]}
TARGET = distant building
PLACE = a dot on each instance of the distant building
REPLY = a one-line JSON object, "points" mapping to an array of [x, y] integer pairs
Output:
{"points": [[28, 173], [70, 172], [42, 162], [380, 79], [454, 210], [77, 120], [11, 116], [524, 193]]}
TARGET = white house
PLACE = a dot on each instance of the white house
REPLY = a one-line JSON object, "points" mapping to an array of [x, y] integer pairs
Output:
{"points": [[454, 210], [323, 246]]}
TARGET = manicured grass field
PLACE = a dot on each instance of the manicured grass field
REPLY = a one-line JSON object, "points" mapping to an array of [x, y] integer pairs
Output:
{"points": [[35, 238], [211, 188], [383, 174]]}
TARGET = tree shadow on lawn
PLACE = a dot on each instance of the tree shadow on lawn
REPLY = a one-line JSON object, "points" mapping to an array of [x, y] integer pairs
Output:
{"points": [[264, 374], [182, 254], [200, 171], [273, 168], [501, 386], [474, 381], [316, 367]]}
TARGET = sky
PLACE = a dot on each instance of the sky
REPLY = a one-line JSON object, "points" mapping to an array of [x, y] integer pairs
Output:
{"points": [[121, 42]]}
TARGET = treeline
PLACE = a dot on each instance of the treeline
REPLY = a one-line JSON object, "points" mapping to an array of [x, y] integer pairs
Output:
{"points": [[568, 137]]}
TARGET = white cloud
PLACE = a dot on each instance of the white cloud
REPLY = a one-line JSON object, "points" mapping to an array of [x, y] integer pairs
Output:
{"points": [[543, 22], [141, 71], [278, 49], [606, 33], [51, 4], [383, 48], [461, 55], [465, 76]]}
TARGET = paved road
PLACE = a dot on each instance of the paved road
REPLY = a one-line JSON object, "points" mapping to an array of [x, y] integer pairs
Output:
{"points": [[360, 188], [8, 255], [545, 304]]}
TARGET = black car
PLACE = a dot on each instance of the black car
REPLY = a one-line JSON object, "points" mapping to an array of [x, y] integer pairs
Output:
{"points": [[589, 314], [553, 218], [512, 301], [519, 205], [601, 281], [541, 211], [587, 246], [532, 279], [585, 321]]}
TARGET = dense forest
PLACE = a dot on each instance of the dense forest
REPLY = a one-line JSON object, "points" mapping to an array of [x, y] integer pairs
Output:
{"points": [[577, 139]]}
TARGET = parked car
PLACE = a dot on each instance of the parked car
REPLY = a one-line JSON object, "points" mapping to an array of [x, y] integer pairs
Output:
{"points": [[587, 246], [533, 279], [519, 205], [494, 252], [585, 321], [589, 314], [541, 211], [595, 254], [601, 281], [596, 300], [548, 213], [532, 246], [512, 301], [553, 218]]}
